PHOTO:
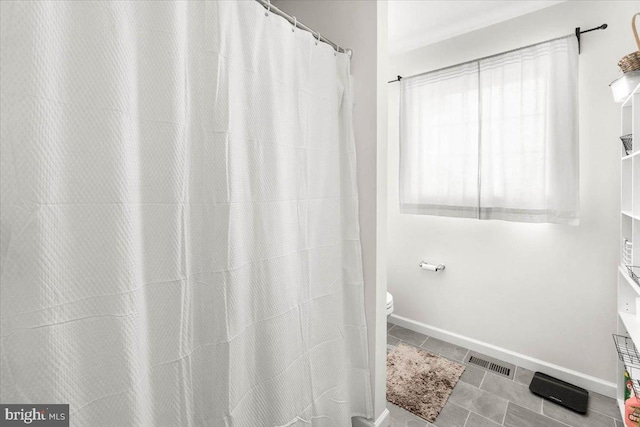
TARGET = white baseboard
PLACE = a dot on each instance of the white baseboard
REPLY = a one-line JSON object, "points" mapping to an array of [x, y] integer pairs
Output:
{"points": [[574, 377], [382, 421]]}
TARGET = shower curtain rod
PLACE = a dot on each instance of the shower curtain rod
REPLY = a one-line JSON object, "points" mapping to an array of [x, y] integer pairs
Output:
{"points": [[577, 34], [293, 20]]}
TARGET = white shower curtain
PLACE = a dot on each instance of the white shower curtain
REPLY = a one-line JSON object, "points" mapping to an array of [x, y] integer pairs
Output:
{"points": [[180, 241]]}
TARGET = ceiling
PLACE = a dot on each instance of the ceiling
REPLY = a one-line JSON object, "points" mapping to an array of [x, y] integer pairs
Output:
{"points": [[417, 23]]}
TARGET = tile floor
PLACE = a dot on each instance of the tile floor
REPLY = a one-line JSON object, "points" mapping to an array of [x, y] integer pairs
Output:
{"points": [[483, 399]]}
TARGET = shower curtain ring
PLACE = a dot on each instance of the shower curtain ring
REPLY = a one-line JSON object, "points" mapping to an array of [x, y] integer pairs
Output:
{"points": [[268, 8], [295, 24], [335, 52], [318, 39]]}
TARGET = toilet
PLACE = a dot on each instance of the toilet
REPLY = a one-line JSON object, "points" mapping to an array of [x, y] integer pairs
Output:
{"points": [[389, 304]]}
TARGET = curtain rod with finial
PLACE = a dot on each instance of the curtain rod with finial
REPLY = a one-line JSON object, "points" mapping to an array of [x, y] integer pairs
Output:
{"points": [[577, 34]]}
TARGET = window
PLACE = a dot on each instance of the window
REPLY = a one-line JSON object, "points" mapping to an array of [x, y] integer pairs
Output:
{"points": [[495, 138]]}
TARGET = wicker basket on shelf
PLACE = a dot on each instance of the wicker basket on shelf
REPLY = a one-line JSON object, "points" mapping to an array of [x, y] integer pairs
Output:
{"points": [[627, 142], [631, 62]]}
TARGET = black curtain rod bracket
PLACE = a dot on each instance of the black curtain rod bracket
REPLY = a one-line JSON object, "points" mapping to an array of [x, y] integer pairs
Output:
{"points": [[578, 32], [396, 80]]}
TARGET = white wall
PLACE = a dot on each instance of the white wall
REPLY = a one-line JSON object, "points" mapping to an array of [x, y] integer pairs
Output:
{"points": [[544, 291], [354, 24], [381, 208]]}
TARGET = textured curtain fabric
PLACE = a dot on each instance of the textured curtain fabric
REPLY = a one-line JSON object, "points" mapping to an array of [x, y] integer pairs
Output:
{"points": [[180, 240], [495, 138]]}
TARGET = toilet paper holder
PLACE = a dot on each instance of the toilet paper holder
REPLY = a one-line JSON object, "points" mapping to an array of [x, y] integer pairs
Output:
{"points": [[431, 267]]}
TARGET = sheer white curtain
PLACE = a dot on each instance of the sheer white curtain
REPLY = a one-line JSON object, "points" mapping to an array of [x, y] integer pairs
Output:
{"points": [[438, 137], [180, 239], [495, 138]]}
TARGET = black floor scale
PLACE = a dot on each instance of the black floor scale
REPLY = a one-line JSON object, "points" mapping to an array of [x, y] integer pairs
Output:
{"points": [[560, 392]]}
